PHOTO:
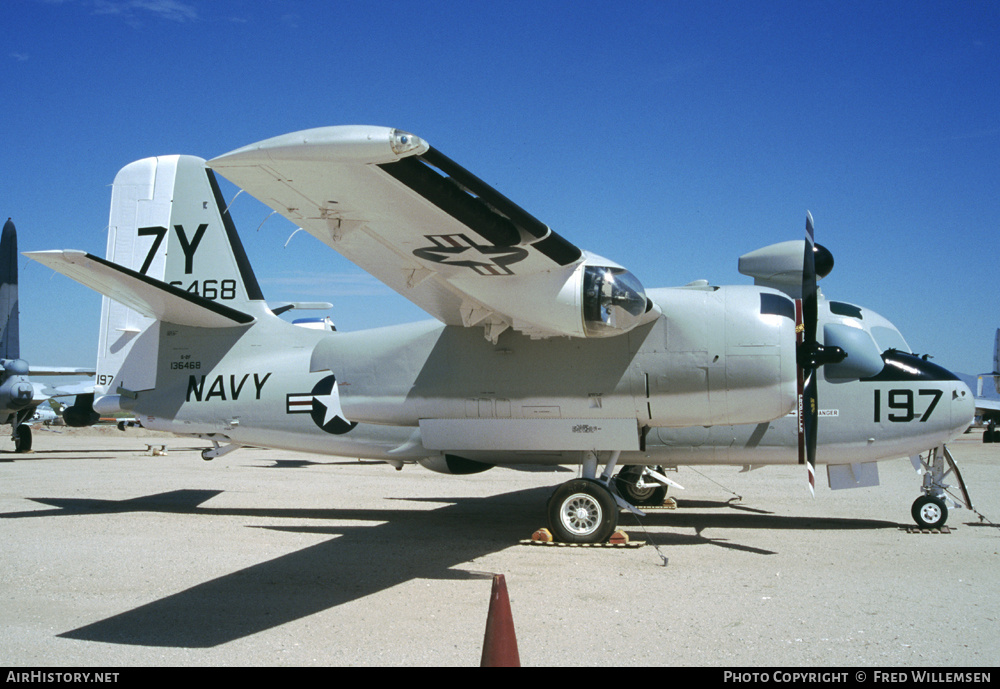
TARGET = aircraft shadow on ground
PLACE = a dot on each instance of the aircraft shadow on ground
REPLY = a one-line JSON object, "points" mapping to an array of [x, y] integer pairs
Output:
{"points": [[692, 514], [358, 560], [728, 515], [96, 453]]}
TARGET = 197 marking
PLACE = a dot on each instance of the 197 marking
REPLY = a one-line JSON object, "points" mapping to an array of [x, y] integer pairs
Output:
{"points": [[901, 407]]}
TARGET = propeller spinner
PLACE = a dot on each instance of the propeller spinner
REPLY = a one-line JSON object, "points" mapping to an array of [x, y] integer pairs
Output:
{"points": [[811, 354]]}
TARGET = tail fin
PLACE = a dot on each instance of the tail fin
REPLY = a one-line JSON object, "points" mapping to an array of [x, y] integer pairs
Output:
{"points": [[996, 353], [996, 362], [10, 347], [168, 222]]}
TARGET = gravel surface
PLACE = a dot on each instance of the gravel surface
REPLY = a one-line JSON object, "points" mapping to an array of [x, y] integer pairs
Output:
{"points": [[114, 558]]}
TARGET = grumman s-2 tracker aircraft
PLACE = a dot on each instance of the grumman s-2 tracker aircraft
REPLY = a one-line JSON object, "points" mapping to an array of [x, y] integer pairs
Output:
{"points": [[541, 353]]}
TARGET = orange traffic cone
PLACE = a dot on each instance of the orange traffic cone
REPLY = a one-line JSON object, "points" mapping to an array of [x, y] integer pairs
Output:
{"points": [[500, 643]]}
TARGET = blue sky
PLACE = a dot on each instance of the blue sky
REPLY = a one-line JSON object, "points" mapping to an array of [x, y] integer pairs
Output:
{"points": [[670, 137]]}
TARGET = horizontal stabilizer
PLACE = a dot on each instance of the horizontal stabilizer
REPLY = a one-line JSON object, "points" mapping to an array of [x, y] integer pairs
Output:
{"points": [[283, 306], [59, 371], [146, 295]]}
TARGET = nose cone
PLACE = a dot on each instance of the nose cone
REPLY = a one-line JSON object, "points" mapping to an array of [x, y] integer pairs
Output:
{"points": [[963, 408], [920, 402]]}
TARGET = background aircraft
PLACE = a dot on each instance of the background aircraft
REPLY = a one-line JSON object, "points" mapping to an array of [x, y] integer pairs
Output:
{"points": [[541, 352], [988, 396], [19, 397], [44, 414]]}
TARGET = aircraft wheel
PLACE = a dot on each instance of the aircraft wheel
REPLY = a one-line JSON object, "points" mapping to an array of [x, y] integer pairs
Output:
{"points": [[22, 439], [207, 455], [650, 495], [582, 511], [929, 512]]}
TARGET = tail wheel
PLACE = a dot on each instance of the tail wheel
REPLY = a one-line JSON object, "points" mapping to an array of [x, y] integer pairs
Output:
{"points": [[582, 511], [929, 512]]}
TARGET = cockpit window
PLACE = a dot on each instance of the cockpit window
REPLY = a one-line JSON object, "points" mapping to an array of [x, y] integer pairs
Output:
{"points": [[839, 308], [776, 305], [889, 338]]}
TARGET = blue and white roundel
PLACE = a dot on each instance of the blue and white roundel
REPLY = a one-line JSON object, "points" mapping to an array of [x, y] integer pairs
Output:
{"points": [[326, 411], [323, 405]]}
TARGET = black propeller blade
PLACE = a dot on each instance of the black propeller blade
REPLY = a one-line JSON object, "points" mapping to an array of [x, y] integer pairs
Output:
{"points": [[811, 354]]}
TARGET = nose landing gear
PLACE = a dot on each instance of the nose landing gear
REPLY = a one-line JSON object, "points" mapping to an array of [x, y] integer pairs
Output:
{"points": [[930, 510]]}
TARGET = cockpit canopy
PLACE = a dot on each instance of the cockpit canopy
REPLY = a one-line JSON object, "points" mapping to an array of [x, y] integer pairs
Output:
{"points": [[613, 301]]}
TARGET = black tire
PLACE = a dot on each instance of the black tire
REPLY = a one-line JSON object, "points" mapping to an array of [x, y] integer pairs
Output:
{"points": [[582, 511], [22, 438], [929, 512], [650, 496]]}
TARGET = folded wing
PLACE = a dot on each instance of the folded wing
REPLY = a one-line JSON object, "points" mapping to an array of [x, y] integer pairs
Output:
{"points": [[435, 233]]}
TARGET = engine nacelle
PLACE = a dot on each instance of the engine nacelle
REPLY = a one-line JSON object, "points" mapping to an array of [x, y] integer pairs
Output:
{"points": [[780, 265], [453, 464], [592, 298], [16, 391]]}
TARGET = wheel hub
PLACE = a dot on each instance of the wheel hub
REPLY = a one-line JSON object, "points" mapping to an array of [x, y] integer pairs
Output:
{"points": [[930, 512], [581, 514]]}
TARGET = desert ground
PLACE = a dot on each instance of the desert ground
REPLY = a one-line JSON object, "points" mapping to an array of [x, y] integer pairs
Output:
{"points": [[113, 557]]}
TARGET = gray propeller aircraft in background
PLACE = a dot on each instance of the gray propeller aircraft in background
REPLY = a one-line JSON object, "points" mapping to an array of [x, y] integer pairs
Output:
{"points": [[19, 396], [540, 352]]}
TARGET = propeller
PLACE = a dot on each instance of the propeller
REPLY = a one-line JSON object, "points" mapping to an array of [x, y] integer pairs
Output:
{"points": [[810, 355]]}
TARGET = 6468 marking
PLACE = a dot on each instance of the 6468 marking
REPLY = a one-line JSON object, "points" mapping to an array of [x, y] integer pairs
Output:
{"points": [[210, 289]]}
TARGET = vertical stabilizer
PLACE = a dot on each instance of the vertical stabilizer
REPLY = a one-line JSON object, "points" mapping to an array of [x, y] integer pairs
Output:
{"points": [[10, 347], [168, 222]]}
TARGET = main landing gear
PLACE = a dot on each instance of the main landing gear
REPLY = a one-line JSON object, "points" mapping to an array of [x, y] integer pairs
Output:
{"points": [[585, 510], [930, 510], [22, 437], [20, 432]]}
